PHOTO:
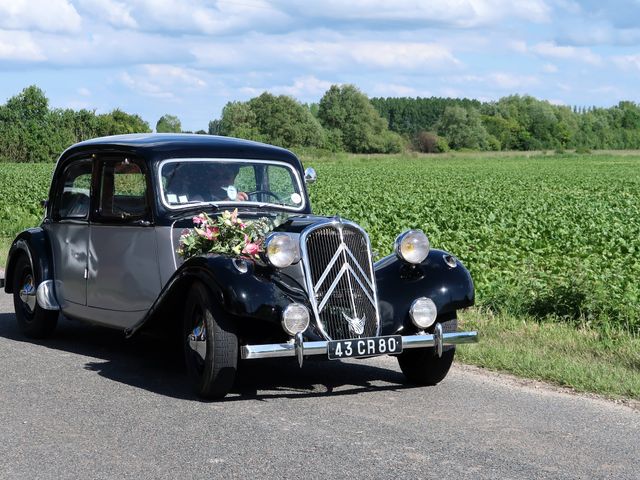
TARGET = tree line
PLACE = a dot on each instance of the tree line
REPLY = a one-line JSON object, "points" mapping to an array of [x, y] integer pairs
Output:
{"points": [[344, 119]]}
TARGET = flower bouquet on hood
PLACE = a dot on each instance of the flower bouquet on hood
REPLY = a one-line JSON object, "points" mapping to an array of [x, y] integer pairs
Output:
{"points": [[227, 234]]}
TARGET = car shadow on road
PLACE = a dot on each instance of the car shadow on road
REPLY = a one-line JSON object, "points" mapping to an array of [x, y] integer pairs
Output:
{"points": [[155, 363]]}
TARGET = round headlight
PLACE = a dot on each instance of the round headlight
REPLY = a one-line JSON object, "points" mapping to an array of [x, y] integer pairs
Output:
{"points": [[412, 246], [281, 250], [295, 319], [423, 312]]}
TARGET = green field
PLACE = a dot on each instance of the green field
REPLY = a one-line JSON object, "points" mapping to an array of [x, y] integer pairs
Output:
{"points": [[547, 238], [541, 235]]}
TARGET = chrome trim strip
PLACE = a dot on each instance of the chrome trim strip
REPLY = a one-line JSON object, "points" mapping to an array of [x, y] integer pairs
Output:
{"points": [[250, 352], [327, 270], [46, 296], [232, 203]]}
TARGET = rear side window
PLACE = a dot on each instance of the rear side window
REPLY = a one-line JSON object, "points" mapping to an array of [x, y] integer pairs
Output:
{"points": [[123, 191], [73, 197]]}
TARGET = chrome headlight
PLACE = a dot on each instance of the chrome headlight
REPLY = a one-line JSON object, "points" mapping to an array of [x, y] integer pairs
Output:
{"points": [[295, 319], [423, 312], [412, 246], [281, 250]]}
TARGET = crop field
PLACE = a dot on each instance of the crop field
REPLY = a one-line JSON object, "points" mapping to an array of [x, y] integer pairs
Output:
{"points": [[547, 236]]}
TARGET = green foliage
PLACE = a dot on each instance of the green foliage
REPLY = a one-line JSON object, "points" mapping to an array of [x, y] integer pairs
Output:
{"points": [[168, 124], [518, 123], [31, 132], [541, 236], [279, 120], [429, 142], [463, 129], [353, 124]]}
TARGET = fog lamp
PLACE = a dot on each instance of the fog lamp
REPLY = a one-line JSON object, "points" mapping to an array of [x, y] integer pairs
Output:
{"points": [[423, 312], [295, 319]]}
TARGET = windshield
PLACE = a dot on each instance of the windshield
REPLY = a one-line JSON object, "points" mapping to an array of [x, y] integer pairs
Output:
{"points": [[188, 182]]}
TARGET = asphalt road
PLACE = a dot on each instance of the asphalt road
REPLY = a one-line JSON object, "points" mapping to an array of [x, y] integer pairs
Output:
{"points": [[88, 404]]}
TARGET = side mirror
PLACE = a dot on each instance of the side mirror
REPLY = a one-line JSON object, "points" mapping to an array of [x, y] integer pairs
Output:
{"points": [[310, 175]]}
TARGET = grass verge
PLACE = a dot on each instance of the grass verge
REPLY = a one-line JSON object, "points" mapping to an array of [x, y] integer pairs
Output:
{"points": [[5, 243], [584, 359]]}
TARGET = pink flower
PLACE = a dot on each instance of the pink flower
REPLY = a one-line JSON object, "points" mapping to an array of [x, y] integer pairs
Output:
{"points": [[251, 249], [199, 219], [234, 216], [211, 233]]}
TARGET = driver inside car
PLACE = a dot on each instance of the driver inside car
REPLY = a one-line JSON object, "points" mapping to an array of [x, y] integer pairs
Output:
{"points": [[215, 184]]}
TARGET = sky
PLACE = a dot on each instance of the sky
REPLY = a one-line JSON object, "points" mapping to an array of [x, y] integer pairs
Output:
{"points": [[190, 57]]}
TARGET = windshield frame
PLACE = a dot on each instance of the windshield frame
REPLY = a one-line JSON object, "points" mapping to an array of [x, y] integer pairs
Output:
{"points": [[245, 203]]}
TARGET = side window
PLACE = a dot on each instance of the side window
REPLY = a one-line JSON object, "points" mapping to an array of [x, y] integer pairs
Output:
{"points": [[123, 191], [72, 200]]}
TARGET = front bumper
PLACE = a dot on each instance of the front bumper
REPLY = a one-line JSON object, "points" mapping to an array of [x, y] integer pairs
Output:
{"points": [[438, 339]]}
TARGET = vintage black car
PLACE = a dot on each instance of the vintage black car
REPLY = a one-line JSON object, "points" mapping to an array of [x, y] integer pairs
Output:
{"points": [[107, 253]]}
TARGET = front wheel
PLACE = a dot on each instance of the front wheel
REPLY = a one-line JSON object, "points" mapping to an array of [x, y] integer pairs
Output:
{"points": [[422, 366], [33, 320], [210, 345]]}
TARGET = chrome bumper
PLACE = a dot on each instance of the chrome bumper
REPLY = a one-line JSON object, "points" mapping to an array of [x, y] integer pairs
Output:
{"points": [[438, 339]]}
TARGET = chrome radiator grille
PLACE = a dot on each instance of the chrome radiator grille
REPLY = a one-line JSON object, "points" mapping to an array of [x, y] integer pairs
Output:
{"points": [[340, 280]]}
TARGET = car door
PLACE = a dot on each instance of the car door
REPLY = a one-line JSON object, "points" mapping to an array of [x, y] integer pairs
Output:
{"points": [[123, 273], [68, 232]]}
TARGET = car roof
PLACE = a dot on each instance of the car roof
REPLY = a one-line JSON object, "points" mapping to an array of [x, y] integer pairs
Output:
{"points": [[159, 146]]}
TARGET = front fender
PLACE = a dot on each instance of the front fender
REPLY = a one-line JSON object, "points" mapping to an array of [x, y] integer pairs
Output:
{"points": [[33, 243], [399, 284], [254, 296]]}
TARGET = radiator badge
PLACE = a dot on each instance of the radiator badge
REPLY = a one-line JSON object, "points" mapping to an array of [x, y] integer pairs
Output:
{"points": [[356, 325]]}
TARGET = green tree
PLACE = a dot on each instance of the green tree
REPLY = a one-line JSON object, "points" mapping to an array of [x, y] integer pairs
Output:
{"points": [[463, 129], [353, 124], [283, 121], [118, 122], [168, 124]]}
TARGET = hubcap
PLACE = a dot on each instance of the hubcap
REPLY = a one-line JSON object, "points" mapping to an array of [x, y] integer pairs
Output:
{"points": [[28, 293], [198, 339]]}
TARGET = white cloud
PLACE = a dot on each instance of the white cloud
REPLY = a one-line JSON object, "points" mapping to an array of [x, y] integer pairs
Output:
{"points": [[502, 80], [19, 47], [84, 92], [627, 62], [191, 16], [397, 90], [113, 12], [549, 68], [163, 81], [508, 81], [458, 13], [41, 15], [551, 50], [287, 51]]}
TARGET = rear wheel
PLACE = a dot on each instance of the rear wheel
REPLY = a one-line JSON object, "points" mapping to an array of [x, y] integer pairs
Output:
{"points": [[33, 320], [210, 345], [422, 366]]}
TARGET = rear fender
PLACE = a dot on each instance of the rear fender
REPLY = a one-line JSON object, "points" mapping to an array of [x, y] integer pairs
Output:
{"points": [[33, 243]]}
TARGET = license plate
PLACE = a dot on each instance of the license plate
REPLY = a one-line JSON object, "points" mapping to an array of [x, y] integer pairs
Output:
{"points": [[364, 347]]}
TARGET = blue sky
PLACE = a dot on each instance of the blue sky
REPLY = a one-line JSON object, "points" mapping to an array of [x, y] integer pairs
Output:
{"points": [[190, 57]]}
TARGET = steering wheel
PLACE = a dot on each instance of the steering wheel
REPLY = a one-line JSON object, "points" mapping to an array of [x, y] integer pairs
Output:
{"points": [[267, 192]]}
